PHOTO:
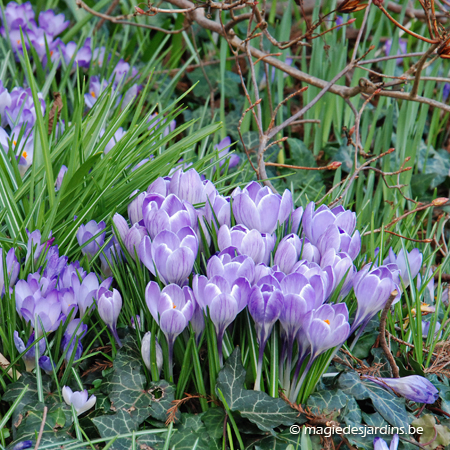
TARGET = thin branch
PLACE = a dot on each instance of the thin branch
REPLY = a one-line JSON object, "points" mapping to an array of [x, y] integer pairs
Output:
{"points": [[383, 343]]}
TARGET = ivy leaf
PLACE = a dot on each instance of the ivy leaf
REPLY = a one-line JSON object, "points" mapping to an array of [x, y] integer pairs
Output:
{"points": [[127, 387], [391, 408], [193, 433], [352, 411], [374, 420], [214, 419], [282, 440], [56, 427], [437, 435], [111, 425], [350, 384], [266, 412], [30, 397], [327, 401]]}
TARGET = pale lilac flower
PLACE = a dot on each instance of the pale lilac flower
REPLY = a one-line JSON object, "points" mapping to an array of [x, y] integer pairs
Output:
{"points": [[251, 206], [412, 259], [156, 121], [82, 58], [414, 387], [79, 399], [170, 256], [86, 233], [109, 305], [247, 242], [380, 444], [135, 213], [190, 187], [53, 24], [218, 211], [131, 237], [12, 269], [118, 135], [146, 352], [29, 357], [60, 177], [5, 102]]}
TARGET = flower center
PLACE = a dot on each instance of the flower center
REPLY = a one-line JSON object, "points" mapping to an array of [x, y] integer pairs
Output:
{"points": [[18, 41], [24, 154], [93, 94], [15, 143], [327, 321]]}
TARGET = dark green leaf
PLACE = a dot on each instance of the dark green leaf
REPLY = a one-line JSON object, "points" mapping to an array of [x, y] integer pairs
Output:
{"points": [[261, 409], [327, 401], [214, 419]]}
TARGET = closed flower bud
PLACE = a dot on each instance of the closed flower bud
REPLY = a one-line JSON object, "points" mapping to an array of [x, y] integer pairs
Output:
{"points": [[146, 349], [79, 399]]}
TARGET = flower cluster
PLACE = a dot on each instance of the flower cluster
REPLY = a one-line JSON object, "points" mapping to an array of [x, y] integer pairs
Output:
{"points": [[285, 265], [52, 297]]}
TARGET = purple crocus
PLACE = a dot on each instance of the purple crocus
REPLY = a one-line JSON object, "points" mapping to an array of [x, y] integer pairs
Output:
{"points": [[96, 87], [22, 108], [288, 252], [18, 16], [167, 213], [109, 305], [12, 269], [86, 233], [146, 352], [445, 93], [60, 177], [218, 211], [372, 290], [131, 237], [402, 44], [325, 328], [156, 121], [29, 357], [403, 260], [223, 148], [247, 242], [251, 206], [190, 187], [340, 269], [78, 399], [414, 387], [118, 135], [170, 256], [231, 267], [53, 24], [82, 58], [71, 340], [223, 300], [121, 71], [44, 314], [264, 305], [135, 207], [172, 308], [5, 101], [380, 444]]}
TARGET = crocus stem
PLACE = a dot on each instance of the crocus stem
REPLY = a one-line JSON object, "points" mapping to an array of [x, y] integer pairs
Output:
{"points": [[287, 373], [116, 336], [170, 346], [282, 358], [297, 369], [294, 392], [259, 367], [358, 335], [219, 346]]}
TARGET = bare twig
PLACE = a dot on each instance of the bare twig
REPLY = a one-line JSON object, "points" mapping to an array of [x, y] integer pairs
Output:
{"points": [[41, 429], [383, 343]]}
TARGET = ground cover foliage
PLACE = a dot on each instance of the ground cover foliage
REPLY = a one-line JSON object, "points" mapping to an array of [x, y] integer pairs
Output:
{"points": [[154, 295]]}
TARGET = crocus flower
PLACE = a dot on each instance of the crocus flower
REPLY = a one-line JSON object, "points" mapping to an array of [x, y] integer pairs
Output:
{"points": [[71, 340], [96, 87], [44, 314], [264, 305], [135, 207], [18, 16], [167, 213], [86, 233], [426, 328], [170, 255], [46, 365], [218, 212], [247, 242], [325, 328], [12, 269], [223, 148], [338, 266], [402, 44], [109, 305], [146, 352], [412, 259], [288, 252], [172, 308], [22, 108], [414, 387], [5, 101], [445, 93], [380, 444], [319, 279], [118, 135], [372, 292], [251, 206], [231, 267], [23, 445], [79, 399], [131, 237], [53, 24], [121, 71], [82, 58], [29, 357], [224, 301], [60, 177], [156, 121], [190, 187]]}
